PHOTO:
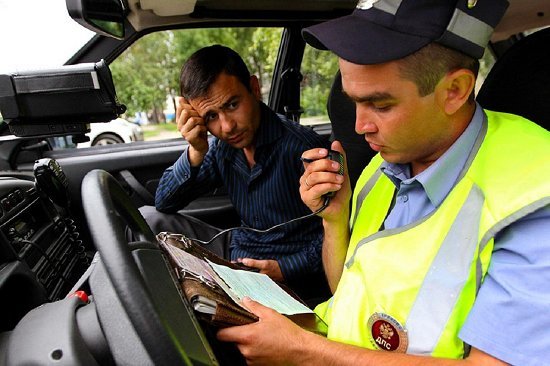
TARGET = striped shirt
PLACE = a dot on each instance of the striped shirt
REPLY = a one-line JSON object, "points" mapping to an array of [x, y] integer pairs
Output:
{"points": [[265, 195]]}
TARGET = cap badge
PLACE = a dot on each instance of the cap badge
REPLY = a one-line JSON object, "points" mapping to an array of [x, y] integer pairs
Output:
{"points": [[366, 4], [387, 334]]}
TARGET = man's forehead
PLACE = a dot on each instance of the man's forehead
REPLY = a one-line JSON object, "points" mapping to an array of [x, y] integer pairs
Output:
{"points": [[213, 101], [222, 91], [212, 104]]}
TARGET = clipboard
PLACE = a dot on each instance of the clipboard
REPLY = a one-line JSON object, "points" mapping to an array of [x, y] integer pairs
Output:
{"points": [[208, 296]]}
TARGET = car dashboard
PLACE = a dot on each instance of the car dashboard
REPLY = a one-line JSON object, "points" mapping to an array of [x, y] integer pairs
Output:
{"points": [[41, 255]]}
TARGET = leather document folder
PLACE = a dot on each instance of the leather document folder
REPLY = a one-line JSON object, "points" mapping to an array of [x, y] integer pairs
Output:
{"points": [[207, 296]]}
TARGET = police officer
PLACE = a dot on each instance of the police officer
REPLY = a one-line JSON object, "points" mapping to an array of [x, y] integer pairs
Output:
{"points": [[448, 243]]}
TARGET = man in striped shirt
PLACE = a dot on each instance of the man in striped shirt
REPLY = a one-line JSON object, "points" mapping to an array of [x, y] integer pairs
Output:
{"points": [[256, 155]]}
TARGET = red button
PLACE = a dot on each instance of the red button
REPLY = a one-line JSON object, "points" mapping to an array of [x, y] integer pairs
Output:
{"points": [[81, 295]]}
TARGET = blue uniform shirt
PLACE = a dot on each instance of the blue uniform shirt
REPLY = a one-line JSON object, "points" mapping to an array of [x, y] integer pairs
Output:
{"points": [[265, 195], [510, 319]]}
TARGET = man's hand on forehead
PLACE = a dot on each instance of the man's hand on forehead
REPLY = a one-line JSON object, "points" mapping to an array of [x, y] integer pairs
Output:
{"points": [[200, 105]]}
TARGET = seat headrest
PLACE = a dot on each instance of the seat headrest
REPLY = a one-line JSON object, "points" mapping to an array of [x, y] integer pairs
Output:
{"points": [[341, 112], [519, 81]]}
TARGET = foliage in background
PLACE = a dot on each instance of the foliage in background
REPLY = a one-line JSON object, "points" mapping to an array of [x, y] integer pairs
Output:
{"points": [[142, 75], [318, 69], [148, 72]]}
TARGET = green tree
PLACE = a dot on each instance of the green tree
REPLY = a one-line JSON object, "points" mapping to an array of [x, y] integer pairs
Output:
{"points": [[143, 74], [318, 69]]}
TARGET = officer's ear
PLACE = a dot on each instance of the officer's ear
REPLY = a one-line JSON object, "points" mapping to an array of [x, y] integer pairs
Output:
{"points": [[454, 90]]}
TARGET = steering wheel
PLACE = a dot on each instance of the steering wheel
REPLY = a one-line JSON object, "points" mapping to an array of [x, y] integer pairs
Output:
{"points": [[109, 210]]}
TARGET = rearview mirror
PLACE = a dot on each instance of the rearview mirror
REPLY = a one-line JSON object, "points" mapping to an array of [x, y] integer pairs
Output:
{"points": [[105, 17]]}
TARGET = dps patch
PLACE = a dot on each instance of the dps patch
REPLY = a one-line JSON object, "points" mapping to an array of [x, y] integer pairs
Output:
{"points": [[387, 334]]}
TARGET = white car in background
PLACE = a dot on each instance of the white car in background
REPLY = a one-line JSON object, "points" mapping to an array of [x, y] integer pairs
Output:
{"points": [[115, 132]]}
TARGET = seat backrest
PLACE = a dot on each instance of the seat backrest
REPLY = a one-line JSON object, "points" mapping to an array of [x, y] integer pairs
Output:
{"points": [[341, 111], [519, 81]]}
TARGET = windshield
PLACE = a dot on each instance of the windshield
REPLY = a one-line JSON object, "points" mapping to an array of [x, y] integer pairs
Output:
{"points": [[36, 34]]}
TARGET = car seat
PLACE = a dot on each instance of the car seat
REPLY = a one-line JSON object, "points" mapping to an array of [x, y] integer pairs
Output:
{"points": [[519, 81], [341, 112]]}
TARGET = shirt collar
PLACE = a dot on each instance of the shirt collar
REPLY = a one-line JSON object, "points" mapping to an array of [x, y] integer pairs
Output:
{"points": [[440, 177]]}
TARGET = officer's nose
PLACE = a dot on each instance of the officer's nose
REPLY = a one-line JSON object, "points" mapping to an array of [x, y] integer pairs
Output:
{"points": [[364, 121]]}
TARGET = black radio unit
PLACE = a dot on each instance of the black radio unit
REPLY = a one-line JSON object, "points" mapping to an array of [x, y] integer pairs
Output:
{"points": [[43, 238]]}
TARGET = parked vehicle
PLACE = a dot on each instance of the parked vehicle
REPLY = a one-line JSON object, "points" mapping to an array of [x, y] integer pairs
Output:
{"points": [[117, 131], [61, 302]]}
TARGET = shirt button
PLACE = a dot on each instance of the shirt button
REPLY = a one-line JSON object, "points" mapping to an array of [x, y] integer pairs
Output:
{"points": [[404, 198]]}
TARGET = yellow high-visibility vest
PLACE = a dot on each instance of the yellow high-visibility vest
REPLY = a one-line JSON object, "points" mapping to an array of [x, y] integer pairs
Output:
{"points": [[410, 289]]}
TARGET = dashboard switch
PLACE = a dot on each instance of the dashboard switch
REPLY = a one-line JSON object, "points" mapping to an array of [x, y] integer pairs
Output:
{"points": [[81, 295]]}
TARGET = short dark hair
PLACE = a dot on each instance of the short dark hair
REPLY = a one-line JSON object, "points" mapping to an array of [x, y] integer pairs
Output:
{"points": [[201, 70], [428, 65]]}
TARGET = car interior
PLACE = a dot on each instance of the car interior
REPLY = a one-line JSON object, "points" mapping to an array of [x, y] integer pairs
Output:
{"points": [[73, 290], [518, 82]]}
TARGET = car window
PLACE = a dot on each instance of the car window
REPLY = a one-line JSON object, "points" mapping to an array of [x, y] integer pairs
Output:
{"points": [[318, 70], [485, 65], [146, 75]]}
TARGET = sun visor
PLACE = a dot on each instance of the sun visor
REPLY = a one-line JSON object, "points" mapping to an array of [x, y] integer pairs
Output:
{"points": [[167, 8]]}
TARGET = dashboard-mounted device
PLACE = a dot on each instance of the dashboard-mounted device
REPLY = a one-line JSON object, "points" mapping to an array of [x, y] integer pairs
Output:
{"points": [[59, 101]]}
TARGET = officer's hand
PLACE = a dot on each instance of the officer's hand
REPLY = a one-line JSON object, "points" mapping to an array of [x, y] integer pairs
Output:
{"points": [[273, 340], [321, 177], [193, 128]]}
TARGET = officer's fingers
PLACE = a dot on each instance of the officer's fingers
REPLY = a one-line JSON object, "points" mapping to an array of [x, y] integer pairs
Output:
{"points": [[320, 178], [337, 146], [256, 308], [312, 155]]}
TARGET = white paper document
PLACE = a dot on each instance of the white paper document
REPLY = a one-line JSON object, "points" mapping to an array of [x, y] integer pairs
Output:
{"points": [[258, 287]]}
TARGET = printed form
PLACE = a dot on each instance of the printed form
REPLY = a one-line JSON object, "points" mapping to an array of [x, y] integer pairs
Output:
{"points": [[259, 287]]}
